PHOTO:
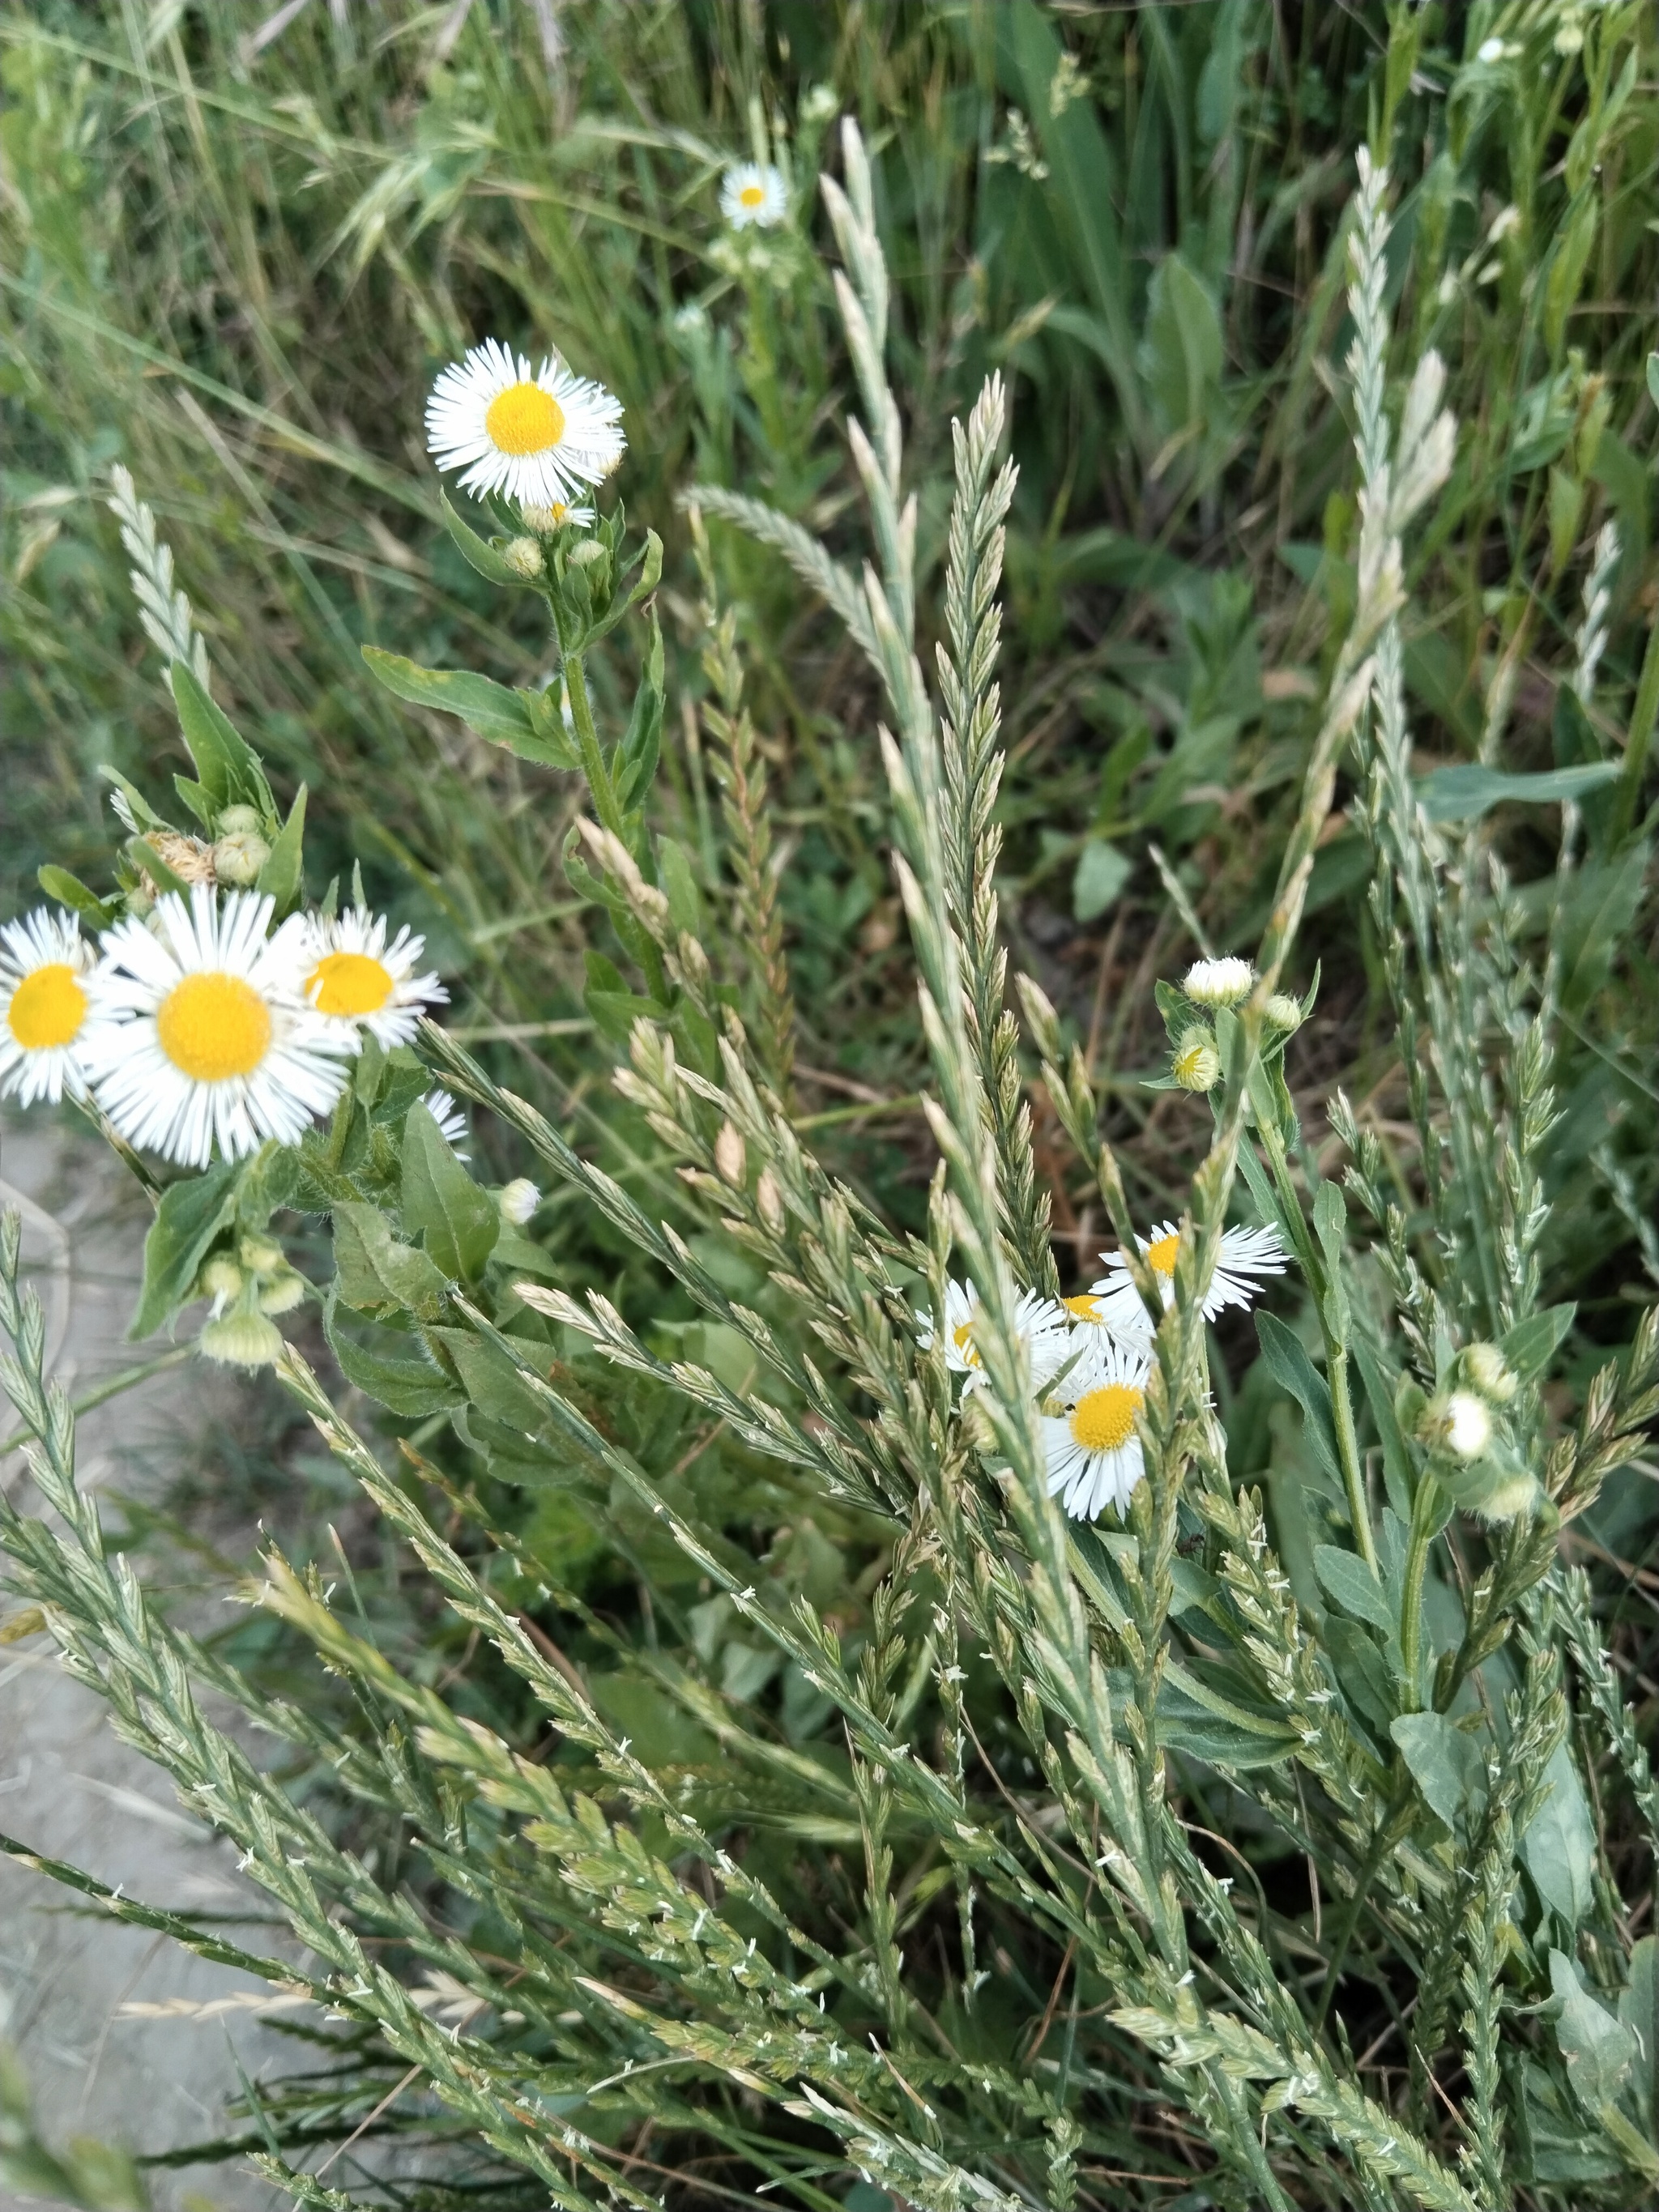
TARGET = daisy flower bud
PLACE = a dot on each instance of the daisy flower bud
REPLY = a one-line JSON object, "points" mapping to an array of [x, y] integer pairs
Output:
{"points": [[239, 822], [1283, 1012], [523, 556], [1459, 1424], [1513, 1498], [264, 1254], [282, 1297], [1218, 982], [238, 859], [544, 520], [1197, 1063], [242, 1340], [220, 1280], [1490, 1373], [517, 1201]]}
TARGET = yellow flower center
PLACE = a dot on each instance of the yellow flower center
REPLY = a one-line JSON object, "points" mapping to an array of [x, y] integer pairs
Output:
{"points": [[348, 983], [523, 419], [213, 1027], [962, 1338], [1084, 1307], [751, 196], [1104, 1420], [47, 1008], [1161, 1252]]}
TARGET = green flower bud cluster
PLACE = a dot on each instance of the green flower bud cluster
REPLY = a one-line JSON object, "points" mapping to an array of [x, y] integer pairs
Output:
{"points": [[247, 1286]]}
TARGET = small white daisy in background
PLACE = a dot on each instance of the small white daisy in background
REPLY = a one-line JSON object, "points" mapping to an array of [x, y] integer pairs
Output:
{"points": [[1247, 1258], [1041, 1327], [1093, 1453], [754, 193], [201, 1034], [535, 435], [1218, 982], [451, 1120], [45, 998], [355, 981]]}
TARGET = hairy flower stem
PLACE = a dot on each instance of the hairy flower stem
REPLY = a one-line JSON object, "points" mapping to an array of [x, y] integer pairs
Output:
{"points": [[609, 813], [1427, 1519]]}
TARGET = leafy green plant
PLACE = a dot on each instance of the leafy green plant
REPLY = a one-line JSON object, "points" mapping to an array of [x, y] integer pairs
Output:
{"points": [[801, 1789]]}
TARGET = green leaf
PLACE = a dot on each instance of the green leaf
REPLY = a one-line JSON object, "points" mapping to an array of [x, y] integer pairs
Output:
{"points": [[441, 1202], [1330, 1219], [413, 1384], [491, 1381], [1465, 793], [1292, 1369], [1102, 873], [1353, 1585], [1530, 1346], [69, 890], [190, 1215], [1181, 355], [284, 873], [1362, 1671], [475, 551], [636, 756], [1558, 1848], [376, 1270], [1447, 1766], [1638, 2010], [1396, 1454], [1653, 388], [503, 716], [1598, 2049], [226, 764]]}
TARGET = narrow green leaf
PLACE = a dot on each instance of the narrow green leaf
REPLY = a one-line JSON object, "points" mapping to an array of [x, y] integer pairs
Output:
{"points": [[442, 1204], [284, 873], [501, 715], [1465, 793], [228, 765], [1292, 1369], [69, 890], [1354, 1587], [476, 551]]}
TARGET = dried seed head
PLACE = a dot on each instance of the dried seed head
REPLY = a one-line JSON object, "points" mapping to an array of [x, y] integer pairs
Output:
{"points": [[1457, 1422], [729, 1156]]}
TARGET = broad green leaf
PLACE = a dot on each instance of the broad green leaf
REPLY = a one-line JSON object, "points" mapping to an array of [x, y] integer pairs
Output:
{"points": [[1354, 1587], [1530, 1346], [1362, 1671], [284, 873], [476, 551], [494, 712], [1638, 2010], [441, 1202], [684, 900], [377, 1270], [1330, 1218], [190, 1215], [226, 764], [1181, 357], [1102, 873], [1447, 1766], [491, 1381], [69, 890], [1465, 793], [1558, 1848], [1598, 2049], [1292, 1369], [1653, 388], [409, 1381]]}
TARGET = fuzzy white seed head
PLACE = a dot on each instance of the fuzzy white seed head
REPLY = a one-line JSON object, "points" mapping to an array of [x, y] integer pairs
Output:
{"points": [[1513, 1499], [1218, 982], [517, 1201], [1461, 1425]]}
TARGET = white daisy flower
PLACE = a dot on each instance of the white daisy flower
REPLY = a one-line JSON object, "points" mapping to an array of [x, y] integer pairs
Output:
{"points": [[356, 981], [202, 1035], [450, 1119], [1247, 1257], [1041, 1327], [1218, 982], [754, 193], [1093, 1452], [537, 436], [45, 998]]}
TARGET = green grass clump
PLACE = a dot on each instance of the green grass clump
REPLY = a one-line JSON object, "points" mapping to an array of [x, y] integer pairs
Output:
{"points": [[727, 1765]]}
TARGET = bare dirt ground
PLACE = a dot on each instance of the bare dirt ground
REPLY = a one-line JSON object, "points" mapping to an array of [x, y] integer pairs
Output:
{"points": [[69, 1788]]}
